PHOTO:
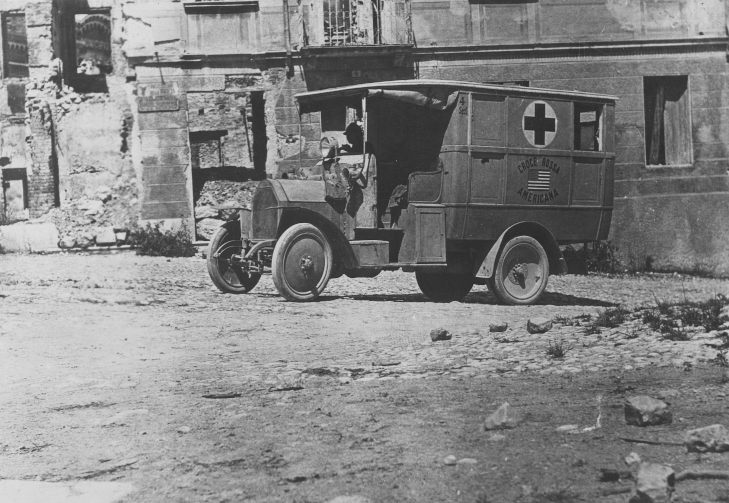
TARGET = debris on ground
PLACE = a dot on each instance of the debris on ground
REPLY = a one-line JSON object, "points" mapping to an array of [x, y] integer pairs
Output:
{"points": [[440, 334], [539, 325], [503, 418], [714, 438], [646, 411], [499, 326], [222, 395], [632, 459], [654, 484], [109, 469], [613, 475]]}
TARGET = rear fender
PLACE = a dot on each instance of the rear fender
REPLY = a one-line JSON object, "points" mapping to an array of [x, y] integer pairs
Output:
{"points": [[343, 252], [545, 238]]}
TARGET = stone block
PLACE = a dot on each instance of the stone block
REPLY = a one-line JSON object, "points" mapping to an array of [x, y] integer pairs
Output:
{"points": [[167, 193], [154, 140], [105, 236], [499, 326], [33, 490], [646, 411], [654, 484], [714, 438], [440, 334], [503, 418], [539, 325], [29, 237], [204, 83], [163, 120], [165, 210], [167, 156], [154, 175]]}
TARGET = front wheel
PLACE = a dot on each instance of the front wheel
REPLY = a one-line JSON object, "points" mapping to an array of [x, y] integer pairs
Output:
{"points": [[443, 286], [227, 277], [302, 263], [521, 272]]}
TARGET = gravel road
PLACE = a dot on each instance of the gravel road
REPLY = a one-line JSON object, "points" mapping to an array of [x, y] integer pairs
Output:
{"points": [[107, 360]]}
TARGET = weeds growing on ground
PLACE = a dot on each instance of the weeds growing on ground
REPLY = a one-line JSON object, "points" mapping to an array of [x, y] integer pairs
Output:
{"points": [[557, 349], [156, 242], [674, 320], [562, 320], [608, 318], [602, 257]]}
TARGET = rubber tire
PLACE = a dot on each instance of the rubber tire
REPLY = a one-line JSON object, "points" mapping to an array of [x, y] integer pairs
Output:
{"points": [[443, 286], [226, 278], [516, 249], [301, 240]]}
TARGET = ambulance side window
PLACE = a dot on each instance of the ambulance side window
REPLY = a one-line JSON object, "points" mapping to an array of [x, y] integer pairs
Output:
{"points": [[588, 127]]}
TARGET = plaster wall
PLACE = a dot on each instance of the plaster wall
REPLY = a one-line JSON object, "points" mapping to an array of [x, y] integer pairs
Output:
{"points": [[666, 218]]}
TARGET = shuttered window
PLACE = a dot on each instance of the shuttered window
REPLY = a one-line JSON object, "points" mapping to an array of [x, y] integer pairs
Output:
{"points": [[667, 121], [222, 27]]}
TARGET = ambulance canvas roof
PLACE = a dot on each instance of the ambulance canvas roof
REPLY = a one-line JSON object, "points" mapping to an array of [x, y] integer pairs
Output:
{"points": [[308, 100]]}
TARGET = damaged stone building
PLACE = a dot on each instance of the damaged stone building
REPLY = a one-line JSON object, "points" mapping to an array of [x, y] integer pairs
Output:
{"points": [[116, 112]]}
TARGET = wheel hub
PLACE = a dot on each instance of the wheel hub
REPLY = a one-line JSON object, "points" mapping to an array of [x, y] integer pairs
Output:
{"points": [[519, 273], [307, 265]]}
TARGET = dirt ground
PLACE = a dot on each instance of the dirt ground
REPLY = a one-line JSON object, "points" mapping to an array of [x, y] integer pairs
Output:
{"points": [[132, 369]]}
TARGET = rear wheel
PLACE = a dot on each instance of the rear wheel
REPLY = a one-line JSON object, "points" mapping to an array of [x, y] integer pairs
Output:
{"points": [[227, 277], [521, 272], [302, 263], [443, 286]]}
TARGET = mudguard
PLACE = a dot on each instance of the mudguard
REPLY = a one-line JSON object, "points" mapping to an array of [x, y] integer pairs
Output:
{"points": [[343, 252], [557, 263]]}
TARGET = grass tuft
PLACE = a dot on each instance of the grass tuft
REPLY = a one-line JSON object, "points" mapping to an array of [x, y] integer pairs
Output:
{"points": [[557, 349], [608, 318], [675, 320], [155, 242]]}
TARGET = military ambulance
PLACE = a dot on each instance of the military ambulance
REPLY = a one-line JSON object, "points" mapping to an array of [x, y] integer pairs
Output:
{"points": [[460, 183]]}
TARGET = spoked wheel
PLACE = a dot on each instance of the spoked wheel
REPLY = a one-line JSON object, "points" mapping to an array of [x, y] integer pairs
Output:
{"points": [[444, 287], [227, 277], [302, 263], [521, 273]]}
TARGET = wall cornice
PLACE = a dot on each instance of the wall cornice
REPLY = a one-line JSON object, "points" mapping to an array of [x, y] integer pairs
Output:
{"points": [[576, 50]]}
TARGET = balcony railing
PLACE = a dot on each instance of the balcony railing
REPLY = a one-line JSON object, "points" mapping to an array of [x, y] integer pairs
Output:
{"points": [[357, 22]]}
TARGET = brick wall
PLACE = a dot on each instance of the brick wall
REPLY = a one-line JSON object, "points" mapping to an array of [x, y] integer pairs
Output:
{"points": [[43, 175]]}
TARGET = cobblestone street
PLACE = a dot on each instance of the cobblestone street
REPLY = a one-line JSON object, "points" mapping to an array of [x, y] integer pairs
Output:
{"points": [[111, 357]]}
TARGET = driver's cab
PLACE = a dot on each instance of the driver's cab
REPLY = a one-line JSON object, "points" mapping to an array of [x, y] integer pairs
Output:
{"points": [[377, 154]]}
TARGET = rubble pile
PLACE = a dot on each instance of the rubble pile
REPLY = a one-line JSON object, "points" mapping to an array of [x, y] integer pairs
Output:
{"points": [[103, 218], [220, 193], [42, 93]]}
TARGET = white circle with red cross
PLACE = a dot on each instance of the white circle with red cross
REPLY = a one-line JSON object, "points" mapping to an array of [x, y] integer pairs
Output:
{"points": [[539, 124]]}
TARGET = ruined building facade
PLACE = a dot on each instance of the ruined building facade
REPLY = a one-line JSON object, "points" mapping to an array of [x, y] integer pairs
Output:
{"points": [[119, 111]]}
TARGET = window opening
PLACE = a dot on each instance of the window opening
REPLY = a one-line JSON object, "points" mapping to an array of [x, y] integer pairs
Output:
{"points": [[206, 149], [93, 43], [15, 195], [15, 46], [588, 127], [667, 121], [356, 21]]}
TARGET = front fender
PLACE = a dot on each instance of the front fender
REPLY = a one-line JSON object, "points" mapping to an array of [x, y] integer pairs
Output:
{"points": [[557, 263], [343, 252]]}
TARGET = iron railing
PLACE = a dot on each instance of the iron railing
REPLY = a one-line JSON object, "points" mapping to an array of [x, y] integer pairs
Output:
{"points": [[368, 22]]}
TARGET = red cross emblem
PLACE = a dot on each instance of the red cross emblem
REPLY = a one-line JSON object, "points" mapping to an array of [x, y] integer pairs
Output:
{"points": [[539, 124]]}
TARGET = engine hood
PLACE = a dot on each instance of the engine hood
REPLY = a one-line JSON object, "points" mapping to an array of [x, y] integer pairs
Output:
{"points": [[298, 191]]}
